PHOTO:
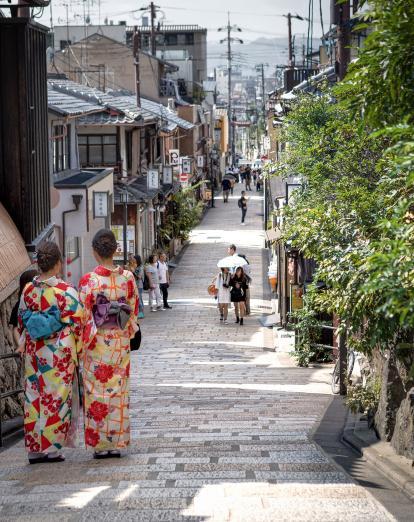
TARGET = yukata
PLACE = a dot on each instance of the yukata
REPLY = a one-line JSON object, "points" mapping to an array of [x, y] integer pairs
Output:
{"points": [[106, 360], [51, 402]]}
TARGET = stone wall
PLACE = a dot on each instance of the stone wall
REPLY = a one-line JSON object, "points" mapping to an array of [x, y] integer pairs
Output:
{"points": [[394, 419], [10, 369]]}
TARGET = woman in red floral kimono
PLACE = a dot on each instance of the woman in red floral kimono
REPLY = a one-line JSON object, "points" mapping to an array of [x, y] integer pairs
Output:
{"points": [[50, 320], [106, 360]]}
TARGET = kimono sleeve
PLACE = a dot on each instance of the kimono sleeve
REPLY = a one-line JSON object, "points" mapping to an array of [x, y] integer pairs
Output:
{"points": [[72, 314], [88, 290], [133, 301]]}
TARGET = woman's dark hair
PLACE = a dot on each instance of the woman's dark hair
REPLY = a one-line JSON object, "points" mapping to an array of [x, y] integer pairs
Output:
{"points": [[25, 278], [138, 260], [239, 268], [151, 259], [48, 255], [104, 243]]}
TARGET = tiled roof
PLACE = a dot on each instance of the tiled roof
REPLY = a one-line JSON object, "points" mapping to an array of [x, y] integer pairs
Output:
{"points": [[72, 98], [69, 105], [125, 104]]}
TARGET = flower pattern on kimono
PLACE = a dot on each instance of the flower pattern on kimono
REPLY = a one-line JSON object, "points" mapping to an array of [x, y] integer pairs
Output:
{"points": [[104, 373], [98, 411], [91, 437]]}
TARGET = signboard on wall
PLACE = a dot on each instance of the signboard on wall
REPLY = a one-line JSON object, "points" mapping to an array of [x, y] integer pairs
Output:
{"points": [[296, 297], [118, 231], [153, 179], [174, 155], [167, 175], [200, 161], [185, 165], [100, 204], [184, 179]]}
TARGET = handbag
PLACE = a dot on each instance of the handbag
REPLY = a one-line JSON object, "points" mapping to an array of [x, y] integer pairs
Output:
{"points": [[42, 325], [135, 342], [212, 290], [111, 314]]}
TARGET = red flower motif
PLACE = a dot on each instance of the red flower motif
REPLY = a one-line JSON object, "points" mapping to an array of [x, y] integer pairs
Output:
{"points": [[104, 373], [98, 411], [91, 437]]}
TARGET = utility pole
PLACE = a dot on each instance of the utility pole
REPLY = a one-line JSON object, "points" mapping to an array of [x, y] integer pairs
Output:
{"points": [[136, 41], [289, 17], [342, 13], [153, 16], [261, 68], [229, 40], [152, 8]]}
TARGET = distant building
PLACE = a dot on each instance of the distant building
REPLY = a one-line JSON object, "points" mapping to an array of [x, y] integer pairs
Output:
{"points": [[69, 35], [106, 64], [190, 38]]}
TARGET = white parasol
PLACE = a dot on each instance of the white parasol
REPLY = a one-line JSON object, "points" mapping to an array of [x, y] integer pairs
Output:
{"points": [[232, 262]]}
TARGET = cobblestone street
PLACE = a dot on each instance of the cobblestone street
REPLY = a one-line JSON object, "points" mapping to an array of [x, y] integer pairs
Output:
{"points": [[222, 425]]}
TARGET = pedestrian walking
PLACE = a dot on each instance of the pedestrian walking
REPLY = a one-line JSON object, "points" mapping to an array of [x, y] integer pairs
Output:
{"points": [[226, 186], [50, 325], [139, 275], [259, 183], [242, 203], [164, 278], [222, 285], [232, 250], [110, 298], [248, 178], [247, 271], [238, 287], [154, 291]]}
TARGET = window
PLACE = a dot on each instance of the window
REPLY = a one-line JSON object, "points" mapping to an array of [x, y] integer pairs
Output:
{"points": [[60, 144], [170, 39], [97, 149], [64, 44], [72, 248], [189, 38]]}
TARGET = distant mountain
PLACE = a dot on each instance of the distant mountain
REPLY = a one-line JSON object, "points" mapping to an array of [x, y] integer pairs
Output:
{"points": [[273, 51]]}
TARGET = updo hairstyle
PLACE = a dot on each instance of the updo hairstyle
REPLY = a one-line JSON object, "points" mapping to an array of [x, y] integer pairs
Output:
{"points": [[104, 243], [48, 255]]}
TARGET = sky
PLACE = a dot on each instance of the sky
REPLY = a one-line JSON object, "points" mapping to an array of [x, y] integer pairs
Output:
{"points": [[256, 18]]}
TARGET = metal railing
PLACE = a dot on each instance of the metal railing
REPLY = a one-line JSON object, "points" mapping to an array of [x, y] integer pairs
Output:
{"points": [[8, 393]]}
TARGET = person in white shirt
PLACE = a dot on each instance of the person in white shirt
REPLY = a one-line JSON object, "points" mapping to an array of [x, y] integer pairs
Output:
{"points": [[164, 277]]}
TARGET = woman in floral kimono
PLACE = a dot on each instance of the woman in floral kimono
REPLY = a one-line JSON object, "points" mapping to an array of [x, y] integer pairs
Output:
{"points": [[106, 360], [50, 321]]}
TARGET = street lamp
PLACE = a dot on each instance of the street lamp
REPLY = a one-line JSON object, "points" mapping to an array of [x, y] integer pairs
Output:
{"points": [[124, 201]]}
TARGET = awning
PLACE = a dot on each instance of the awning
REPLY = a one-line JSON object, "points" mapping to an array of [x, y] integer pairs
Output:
{"points": [[274, 234]]}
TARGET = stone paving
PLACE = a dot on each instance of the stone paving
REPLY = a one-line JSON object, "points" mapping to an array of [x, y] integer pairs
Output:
{"points": [[222, 425]]}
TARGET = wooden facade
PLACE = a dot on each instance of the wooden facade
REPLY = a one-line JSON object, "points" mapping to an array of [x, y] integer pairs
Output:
{"points": [[24, 167]]}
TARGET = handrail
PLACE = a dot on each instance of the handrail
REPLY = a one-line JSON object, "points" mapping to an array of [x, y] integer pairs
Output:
{"points": [[8, 393]]}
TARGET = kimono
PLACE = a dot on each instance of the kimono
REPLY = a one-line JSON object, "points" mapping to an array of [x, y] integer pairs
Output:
{"points": [[106, 361], [51, 401]]}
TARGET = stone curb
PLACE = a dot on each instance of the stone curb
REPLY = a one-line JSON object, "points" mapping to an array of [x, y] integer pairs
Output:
{"points": [[380, 454]]}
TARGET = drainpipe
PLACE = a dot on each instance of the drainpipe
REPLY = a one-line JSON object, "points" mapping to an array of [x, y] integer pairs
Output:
{"points": [[76, 198]]}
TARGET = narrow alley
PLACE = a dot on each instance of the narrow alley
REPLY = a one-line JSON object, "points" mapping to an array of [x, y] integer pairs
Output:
{"points": [[221, 424]]}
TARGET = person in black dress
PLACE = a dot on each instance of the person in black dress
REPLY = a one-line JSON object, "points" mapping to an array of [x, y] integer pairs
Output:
{"points": [[238, 290], [25, 278]]}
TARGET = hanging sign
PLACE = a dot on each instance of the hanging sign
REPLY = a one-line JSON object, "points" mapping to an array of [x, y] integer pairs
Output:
{"points": [[167, 175], [174, 156], [153, 179], [186, 165]]}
